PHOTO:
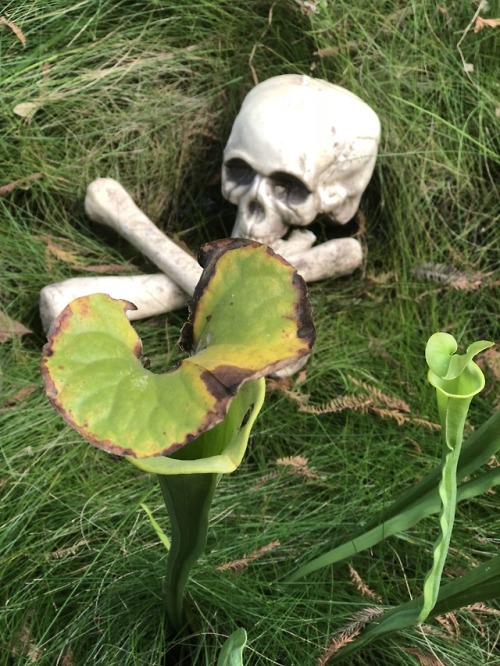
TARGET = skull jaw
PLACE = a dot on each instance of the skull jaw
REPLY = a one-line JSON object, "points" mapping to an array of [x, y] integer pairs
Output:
{"points": [[343, 210]]}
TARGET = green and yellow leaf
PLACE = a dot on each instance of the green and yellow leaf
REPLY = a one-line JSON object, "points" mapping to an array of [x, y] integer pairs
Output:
{"points": [[249, 316]]}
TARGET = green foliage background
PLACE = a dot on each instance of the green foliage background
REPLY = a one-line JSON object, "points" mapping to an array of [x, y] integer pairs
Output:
{"points": [[146, 92]]}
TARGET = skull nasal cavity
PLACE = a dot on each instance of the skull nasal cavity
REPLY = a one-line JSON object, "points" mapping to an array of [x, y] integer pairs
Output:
{"points": [[256, 211]]}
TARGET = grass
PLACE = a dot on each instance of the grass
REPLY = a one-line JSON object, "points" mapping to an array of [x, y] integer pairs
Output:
{"points": [[146, 92]]}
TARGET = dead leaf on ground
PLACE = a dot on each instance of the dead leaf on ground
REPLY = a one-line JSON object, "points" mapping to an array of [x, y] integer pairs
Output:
{"points": [[106, 268], [301, 377], [27, 110], [424, 658], [17, 31], [67, 658], [368, 398], [450, 624], [70, 550], [240, 565], [360, 219], [489, 362], [327, 51], [482, 23], [299, 465], [362, 586], [61, 251], [283, 385], [490, 359], [307, 7], [454, 277], [383, 278], [25, 645], [20, 182], [21, 394], [482, 608], [64, 250], [349, 633], [10, 328]]}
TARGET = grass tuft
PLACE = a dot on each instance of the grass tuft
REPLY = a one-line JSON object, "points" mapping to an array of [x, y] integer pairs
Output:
{"points": [[146, 92]]}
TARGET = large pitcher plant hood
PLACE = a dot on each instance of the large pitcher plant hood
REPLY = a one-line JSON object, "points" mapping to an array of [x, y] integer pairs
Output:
{"points": [[249, 316]]}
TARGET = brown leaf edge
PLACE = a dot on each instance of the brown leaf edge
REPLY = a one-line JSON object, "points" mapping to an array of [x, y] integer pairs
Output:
{"points": [[222, 391], [60, 323], [208, 257]]}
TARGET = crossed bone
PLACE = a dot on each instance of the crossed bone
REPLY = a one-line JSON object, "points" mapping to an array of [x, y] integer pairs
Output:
{"points": [[109, 203]]}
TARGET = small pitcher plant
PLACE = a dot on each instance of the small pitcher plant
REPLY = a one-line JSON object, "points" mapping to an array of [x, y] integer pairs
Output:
{"points": [[249, 317], [457, 379]]}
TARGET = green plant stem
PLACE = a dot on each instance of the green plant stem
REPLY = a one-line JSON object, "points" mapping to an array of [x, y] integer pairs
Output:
{"points": [[188, 498], [480, 446], [448, 495], [477, 586], [453, 412], [421, 500]]}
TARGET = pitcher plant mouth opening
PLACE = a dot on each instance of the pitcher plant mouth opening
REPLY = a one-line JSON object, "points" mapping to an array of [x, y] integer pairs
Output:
{"points": [[464, 387], [455, 375], [249, 316]]}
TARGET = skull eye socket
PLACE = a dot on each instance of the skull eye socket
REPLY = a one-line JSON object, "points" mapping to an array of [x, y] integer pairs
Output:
{"points": [[239, 172], [289, 189]]}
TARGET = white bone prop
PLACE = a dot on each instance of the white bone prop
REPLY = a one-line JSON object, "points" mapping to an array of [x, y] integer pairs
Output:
{"points": [[109, 203], [335, 258], [157, 294], [298, 147], [151, 294]]}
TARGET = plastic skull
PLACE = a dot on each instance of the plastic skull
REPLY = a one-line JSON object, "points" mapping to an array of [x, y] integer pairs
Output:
{"points": [[298, 147]]}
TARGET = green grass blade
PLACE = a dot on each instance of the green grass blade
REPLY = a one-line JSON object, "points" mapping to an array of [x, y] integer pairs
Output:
{"points": [[478, 585], [159, 532], [427, 506], [477, 450], [479, 485], [450, 126], [421, 500]]}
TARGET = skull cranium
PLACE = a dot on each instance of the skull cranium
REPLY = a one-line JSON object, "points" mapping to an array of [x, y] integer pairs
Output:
{"points": [[298, 147]]}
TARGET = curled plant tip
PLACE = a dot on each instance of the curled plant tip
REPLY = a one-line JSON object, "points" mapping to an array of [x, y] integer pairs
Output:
{"points": [[455, 375], [232, 650]]}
